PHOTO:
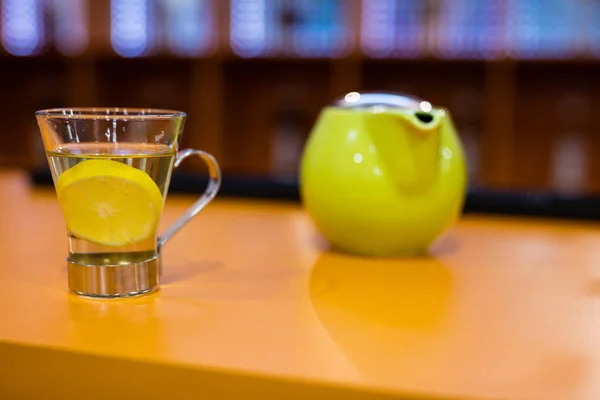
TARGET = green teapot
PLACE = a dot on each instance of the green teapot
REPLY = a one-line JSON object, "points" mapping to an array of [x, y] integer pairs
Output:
{"points": [[383, 174]]}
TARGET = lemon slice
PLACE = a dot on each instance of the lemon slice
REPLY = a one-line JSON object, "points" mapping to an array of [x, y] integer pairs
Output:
{"points": [[108, 202]]}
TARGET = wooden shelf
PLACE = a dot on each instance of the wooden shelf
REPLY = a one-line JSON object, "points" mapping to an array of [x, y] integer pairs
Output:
{"points": [[507, 110]]}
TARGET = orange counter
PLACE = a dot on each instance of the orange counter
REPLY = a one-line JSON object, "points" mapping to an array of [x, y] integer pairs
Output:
{"points": [[253, 305]]}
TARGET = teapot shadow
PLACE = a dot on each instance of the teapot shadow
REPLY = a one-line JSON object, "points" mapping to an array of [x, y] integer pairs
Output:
{"points": [[444, 245]]}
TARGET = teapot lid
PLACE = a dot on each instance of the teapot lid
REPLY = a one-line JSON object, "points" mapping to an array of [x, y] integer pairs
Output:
{"points": [[366, 100]]}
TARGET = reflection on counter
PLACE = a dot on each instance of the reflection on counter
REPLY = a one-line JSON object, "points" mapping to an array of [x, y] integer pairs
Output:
{"points": [[361, 298]]}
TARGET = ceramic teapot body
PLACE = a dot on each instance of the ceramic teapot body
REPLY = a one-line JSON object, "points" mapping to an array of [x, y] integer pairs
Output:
{"points": [[383, 180]]}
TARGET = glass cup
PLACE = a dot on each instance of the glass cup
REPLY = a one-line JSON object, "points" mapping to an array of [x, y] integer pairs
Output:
{"points": [[111, 169]]}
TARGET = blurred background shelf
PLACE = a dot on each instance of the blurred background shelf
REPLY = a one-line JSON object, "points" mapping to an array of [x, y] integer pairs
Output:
{"points": [[519, 77]]}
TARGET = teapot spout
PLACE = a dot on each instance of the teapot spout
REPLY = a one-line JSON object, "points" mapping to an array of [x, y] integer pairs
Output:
{"points": [[408, 144]]}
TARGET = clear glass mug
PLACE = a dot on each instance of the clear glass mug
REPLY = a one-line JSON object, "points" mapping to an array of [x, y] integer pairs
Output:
{"points": [[111, 169]]}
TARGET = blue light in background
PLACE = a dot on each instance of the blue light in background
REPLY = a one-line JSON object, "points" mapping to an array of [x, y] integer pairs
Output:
{"points": [[188, 25], [255, 27], [593, 40], [22, 27], [543, 29], [249, 27], [470, 29], [131, 27], [482, 29], [412, 32], [378, 27], [394, 28], [479, 29], [70, 26], [321, 29]]}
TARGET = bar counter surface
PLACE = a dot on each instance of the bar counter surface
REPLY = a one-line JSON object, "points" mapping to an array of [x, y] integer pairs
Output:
{"points": [[254, 305]]}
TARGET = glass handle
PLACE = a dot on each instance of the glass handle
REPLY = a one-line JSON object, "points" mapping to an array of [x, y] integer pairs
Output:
{"points": [[214, 183]]}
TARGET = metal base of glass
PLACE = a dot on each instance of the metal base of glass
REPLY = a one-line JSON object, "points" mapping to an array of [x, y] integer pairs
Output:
{"points": [[114, 280]]}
